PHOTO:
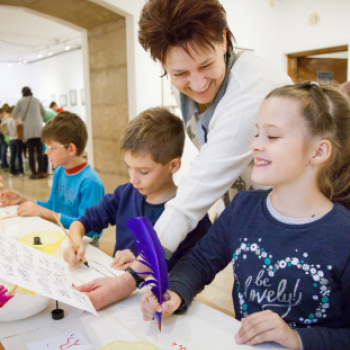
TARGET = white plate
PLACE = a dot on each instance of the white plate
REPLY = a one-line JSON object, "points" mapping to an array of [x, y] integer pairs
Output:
{"points": [[23, 305]]}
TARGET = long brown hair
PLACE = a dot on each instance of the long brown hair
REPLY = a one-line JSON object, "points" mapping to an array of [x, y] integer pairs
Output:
{"points": [[168, 23], [326, 110]]}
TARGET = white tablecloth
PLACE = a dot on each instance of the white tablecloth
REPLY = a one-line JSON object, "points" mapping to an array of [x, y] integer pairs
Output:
{"points": [[200, 328]]}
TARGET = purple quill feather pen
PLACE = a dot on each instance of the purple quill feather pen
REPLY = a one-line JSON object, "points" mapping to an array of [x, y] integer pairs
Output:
{"points": [[152, 253]]}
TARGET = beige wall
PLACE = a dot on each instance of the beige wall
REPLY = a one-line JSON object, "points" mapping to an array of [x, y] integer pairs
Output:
{"points": [[108, 83]]}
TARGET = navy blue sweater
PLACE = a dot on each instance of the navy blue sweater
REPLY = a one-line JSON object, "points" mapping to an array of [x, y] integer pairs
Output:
{"points": [[301, 272], [126, 203]]}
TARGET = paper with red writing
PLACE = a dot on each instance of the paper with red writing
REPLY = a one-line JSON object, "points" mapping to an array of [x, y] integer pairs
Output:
{"points": [[69, 341]]}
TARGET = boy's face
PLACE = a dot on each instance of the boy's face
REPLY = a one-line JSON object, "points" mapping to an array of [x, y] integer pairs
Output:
{"points": [[57, 153], [147, 176]]}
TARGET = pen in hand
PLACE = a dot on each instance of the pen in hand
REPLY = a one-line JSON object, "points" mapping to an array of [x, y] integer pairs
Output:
{"points": [[83, 260]]}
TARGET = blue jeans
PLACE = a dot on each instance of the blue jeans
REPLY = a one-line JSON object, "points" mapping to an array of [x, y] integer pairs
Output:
{"points": [[3, 154], [16, 151]]}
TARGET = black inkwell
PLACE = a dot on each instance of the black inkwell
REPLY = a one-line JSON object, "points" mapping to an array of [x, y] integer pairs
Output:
{"points": [[37, 241], [57, 314]]}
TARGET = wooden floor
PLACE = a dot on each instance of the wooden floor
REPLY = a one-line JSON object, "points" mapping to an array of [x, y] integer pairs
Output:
{"points": [[217, 294]]}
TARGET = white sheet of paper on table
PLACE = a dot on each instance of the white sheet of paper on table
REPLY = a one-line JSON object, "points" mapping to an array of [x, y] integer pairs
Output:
{"points": [[8, 212], [74, 340], [42, 319], [38, 272]]}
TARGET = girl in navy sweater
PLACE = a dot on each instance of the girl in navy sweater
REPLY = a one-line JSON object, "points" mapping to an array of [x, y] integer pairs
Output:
{"points": [[289, 246]]}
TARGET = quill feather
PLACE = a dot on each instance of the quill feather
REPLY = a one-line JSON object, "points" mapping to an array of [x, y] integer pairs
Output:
{"points": [[152, 253], [3, 297]]}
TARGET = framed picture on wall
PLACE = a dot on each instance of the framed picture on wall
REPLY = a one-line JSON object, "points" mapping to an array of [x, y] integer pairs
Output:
{"points": [[73, 97], [63, 100], [45, 103], [82, 96], [53, 98]]}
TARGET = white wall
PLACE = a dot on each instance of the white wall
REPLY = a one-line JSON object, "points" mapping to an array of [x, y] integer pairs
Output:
{"points": [[56, 75]]}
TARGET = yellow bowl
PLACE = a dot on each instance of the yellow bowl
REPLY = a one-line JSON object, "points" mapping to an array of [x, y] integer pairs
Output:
{"points": [[50, 240]]}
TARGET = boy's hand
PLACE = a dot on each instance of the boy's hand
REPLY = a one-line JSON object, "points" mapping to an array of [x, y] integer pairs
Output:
{"points": [[267, 326], [123, 259], [29, 209], [11, 198], [71, 256], [150, 305]]}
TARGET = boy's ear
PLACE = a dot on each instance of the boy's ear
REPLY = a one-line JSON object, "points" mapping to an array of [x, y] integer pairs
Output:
{"points": [[72, 149], [175, 165], [322, 152]]}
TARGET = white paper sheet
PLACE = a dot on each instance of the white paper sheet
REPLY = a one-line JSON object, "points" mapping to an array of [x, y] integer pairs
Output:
{"points": [[73, 340], [8, 212], [40, 320], [40, 273]]}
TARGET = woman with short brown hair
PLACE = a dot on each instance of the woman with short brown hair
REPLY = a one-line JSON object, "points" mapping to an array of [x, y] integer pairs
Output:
{"points": [[219, 94]]}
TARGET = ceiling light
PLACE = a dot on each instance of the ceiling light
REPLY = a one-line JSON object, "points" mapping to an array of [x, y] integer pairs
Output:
{"points": [[40, 55], [49, 53], [24, 61], [19, 63], [67, 47], [9, 64]]}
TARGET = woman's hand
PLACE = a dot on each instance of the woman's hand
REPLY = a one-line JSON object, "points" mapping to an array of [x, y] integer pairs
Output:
{"points": [[150, 305], [11, 198], [267, 326], [123, 259], [108, 290]]}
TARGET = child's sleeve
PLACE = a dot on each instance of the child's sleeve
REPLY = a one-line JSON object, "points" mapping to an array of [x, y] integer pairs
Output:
{"points": [[211, 254], [337, 337], [99, 216], [91, 193], [49, 203]]}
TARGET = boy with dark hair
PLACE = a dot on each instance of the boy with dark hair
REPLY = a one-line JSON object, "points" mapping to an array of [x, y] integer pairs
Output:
{"points": [[152, 144], [76, 186]]}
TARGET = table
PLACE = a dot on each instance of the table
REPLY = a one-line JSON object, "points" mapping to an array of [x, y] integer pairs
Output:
{"points": [[201, 327]]}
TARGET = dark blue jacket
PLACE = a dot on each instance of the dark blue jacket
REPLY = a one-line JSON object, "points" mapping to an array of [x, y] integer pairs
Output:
{"points": [[301, 272], [126, 203]]}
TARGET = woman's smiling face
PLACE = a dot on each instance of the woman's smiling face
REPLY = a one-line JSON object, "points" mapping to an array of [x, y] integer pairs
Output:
{"points": [[198, 73]]}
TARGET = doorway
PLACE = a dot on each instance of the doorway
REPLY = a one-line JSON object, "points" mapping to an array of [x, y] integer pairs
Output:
{"points": [[324, 66]]}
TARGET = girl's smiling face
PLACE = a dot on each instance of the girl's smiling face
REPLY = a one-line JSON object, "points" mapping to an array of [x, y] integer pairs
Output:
{"points": [[281, 151]]}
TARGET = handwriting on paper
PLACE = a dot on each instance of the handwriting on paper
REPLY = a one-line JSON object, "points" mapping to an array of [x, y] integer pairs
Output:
{"points": [[74, 340], [38, 272], [176, 346]]}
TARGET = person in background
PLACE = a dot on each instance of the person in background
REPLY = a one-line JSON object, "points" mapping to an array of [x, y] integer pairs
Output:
{"points": [[32, 113], [15, 144], [76, 186], [289, 246], [3, 143], [152, 145], [54, 107]]}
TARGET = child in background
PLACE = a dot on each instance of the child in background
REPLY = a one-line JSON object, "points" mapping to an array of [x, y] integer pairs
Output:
{"points": [[76, 186], [15, 144], [152, 144], [289, 246]]}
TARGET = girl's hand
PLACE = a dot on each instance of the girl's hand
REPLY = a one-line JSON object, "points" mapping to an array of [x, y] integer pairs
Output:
{"points": [[123, 259], [150, 305], [267, 326]]}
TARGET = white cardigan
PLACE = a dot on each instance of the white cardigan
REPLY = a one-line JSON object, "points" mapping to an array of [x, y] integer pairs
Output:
{"points": [[227, 152]]}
